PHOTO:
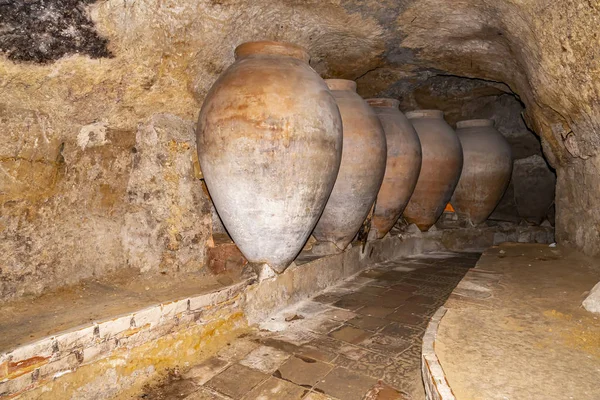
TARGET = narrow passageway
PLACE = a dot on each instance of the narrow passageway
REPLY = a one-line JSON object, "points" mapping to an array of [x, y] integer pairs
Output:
{"points": [[358, 340]]}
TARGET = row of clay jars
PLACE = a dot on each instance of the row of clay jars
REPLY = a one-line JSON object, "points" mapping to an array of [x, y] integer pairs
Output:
{"points": [[270, 146], [361, 171], [470, 168], [269, 143]]}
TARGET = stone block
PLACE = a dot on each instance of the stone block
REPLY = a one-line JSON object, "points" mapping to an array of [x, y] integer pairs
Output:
{"points": [[225, 257], [592, 301]]}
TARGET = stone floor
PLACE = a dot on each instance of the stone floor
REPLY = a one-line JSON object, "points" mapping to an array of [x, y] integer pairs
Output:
{"points": [[515, 328], [359, 340]]}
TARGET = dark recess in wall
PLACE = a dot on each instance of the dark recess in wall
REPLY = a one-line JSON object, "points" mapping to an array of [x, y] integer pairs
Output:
{"points": [[42, 31]]}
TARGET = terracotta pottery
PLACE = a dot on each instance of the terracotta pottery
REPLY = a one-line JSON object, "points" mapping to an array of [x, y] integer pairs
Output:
{"points": [[402, 167], [440, 168], [486, 170], [361, 171], [269, 144]]}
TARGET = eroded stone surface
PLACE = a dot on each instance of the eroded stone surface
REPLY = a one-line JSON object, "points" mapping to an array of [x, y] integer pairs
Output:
{"points": [[531, 320], [328, 363], [62, 202]]}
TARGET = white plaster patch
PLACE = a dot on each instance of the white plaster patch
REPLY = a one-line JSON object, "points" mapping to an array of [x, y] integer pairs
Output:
{"points": [[92, 135], [265, 359]]}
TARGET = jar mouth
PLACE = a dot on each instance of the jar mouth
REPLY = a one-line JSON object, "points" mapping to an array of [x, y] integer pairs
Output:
{"points": [[383, 102], [438, 114], [470, 123], [341, 84], [274, 48]]}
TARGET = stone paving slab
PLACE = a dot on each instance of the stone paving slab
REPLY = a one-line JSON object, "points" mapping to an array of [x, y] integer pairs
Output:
{"points": [[359, 340]]}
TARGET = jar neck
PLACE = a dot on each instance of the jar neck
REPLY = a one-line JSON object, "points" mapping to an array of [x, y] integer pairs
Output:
{"points": [[435, 114], [341, 84], [384, 103], [472, 123], [271, 48]]}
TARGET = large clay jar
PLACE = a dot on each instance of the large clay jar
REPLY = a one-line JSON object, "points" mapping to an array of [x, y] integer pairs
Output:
{"points": [[402, 167], [486, 170], [361, 170], [269, 145], [440, 168]]}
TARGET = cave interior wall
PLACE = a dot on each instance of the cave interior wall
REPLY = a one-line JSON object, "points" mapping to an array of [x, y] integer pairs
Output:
{"points": [[99, 101]]}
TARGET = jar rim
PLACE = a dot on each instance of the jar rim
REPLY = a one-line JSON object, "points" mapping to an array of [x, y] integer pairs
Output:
{"points": [[341, 84], [271, 47], [438, 114], [470, 123], [384, 102]]}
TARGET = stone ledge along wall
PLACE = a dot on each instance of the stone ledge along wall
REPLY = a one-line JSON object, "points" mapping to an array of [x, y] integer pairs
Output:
{"points": [[98, 102]]}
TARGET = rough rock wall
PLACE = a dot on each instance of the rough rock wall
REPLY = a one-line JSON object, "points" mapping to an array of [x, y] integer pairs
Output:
{"points": [[71, 201], [546, 52]]}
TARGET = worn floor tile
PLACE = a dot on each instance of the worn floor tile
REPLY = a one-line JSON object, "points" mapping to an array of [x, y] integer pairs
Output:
{"points": [[385, 344], [171, 388], [394, 298], [237, 349], [345, 384], [339, 347], [404, 287], [350, 334], [416, 308], [406, 318], [279, 344], [323, 325], [375, 311], [206, 394], [316, 353], [368, 323], [338, 314], [382, 391], [265, 359], [372, 364], [327, 298], [387, 311], [355, 300], [420, 299], [402, 331], [236, 381], [201, 373], [302, 371], [276, 389], [317, 396], [373, 290]]}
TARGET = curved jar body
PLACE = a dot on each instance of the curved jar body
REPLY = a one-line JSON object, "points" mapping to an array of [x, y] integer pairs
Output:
{"points": [[269, 144], [402, 167], [486, 169], [361, 170], [440, 168]]}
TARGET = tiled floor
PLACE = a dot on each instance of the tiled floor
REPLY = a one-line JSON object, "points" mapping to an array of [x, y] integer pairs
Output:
{"points": [[357, 341]]}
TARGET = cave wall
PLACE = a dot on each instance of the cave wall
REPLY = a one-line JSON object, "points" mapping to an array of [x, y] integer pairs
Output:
{"points": [[96, 157]]}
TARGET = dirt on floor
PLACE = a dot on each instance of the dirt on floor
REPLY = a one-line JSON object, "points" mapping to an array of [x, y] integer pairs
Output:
{"points": [[360, 340], [515, 327]]}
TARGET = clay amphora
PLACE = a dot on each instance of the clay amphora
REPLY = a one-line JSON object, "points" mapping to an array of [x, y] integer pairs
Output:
{"points": [[486, 169], [440, 168], [269, 144], [402, 167], [361, 170]]}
